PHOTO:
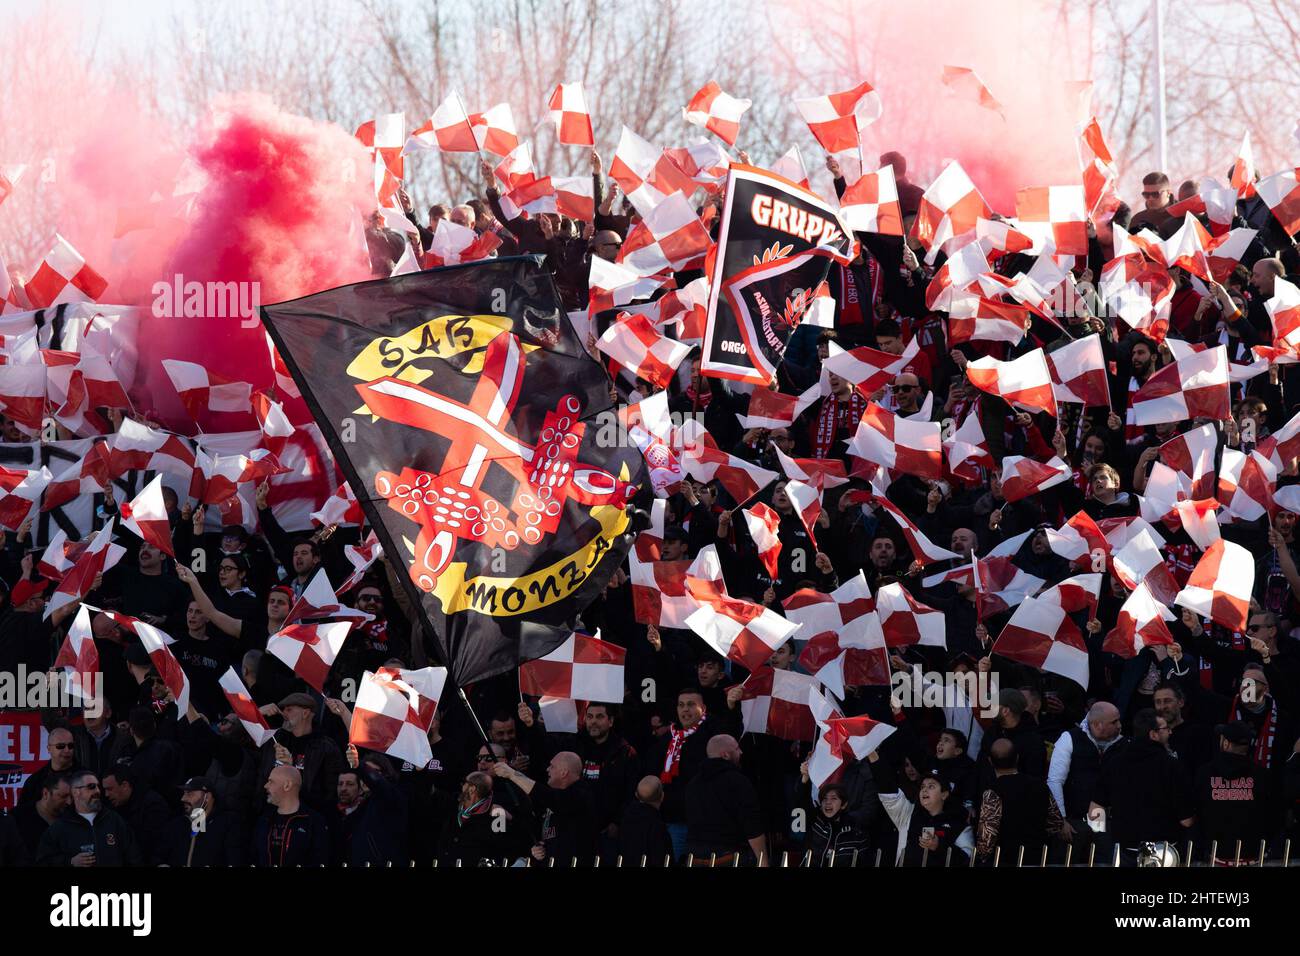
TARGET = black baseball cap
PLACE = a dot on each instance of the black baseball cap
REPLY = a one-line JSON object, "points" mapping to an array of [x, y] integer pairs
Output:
{"points": [[197, 783]]}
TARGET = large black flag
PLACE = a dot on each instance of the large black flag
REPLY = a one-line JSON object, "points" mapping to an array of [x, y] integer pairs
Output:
{"points": [[458, 402], [775, 247]]}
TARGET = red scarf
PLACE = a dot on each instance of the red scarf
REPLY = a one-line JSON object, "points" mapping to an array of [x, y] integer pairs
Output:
{"points": [[851, 304], [1267, 732], [834, 416], [673, 759]]}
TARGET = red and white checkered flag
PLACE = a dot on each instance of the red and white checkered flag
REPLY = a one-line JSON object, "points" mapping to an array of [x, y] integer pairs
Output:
{"points": [[1281, 193], [905, 620], [775, 702], [613, 284], [763, 523], [244, 707], [1054, 216], [22, 394], [20, 494], [309, 649], [1041, 634], [836, 120], [871, 204], [575, 197], [448, 130], [952, 205], [494, 129], [1023, 381], [64, 276], [88, 476], [858, 736], [340, 508], [1022, 477], [716, 111], [569, 113], [671, 237], [897, 443], [646, 174], [361, 557], [1243, 169], [137, 447], [826, 472], [1221, 584], [394, 709], [964, 83], [79, 658], [385, 136], [659, 594], [1141, 623], [582, 669], [1139, 559], [869, 369], [636, 345], [202, 391], [704, 461], [739, 630], [1078, 372], [146, 517], [1195, 385], [165, 663], [770, 409]]}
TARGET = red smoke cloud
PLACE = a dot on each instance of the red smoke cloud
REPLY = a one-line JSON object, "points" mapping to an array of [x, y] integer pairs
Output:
{"points": [[281, 205], [1018, 48]]}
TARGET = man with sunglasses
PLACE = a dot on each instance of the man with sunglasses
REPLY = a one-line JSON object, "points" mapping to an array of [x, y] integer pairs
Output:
{"points": [[1156, 196], [907, 394], [63, 758], [88, 833]]}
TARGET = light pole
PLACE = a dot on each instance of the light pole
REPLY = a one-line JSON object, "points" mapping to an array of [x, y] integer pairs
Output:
{"points": [[1157, 25]]}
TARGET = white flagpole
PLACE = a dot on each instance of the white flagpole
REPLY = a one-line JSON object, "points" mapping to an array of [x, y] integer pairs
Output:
{"points": [[1158, 29]]}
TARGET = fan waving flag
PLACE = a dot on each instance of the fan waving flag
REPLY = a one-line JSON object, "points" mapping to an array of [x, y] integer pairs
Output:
{"points": [[775, 248], [167, 666], [394, 709], [475, 458], [582, 669]]}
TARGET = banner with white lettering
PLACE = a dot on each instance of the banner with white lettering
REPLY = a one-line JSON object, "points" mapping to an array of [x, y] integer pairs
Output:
{"points": [[23, 750], [775, 248]]}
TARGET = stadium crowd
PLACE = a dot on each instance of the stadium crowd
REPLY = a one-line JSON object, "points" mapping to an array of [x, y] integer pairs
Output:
{"points": [[1194, 741]]}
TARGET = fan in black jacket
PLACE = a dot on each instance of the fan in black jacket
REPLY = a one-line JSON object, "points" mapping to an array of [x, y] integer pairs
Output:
{"points": [[289, 833]]}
